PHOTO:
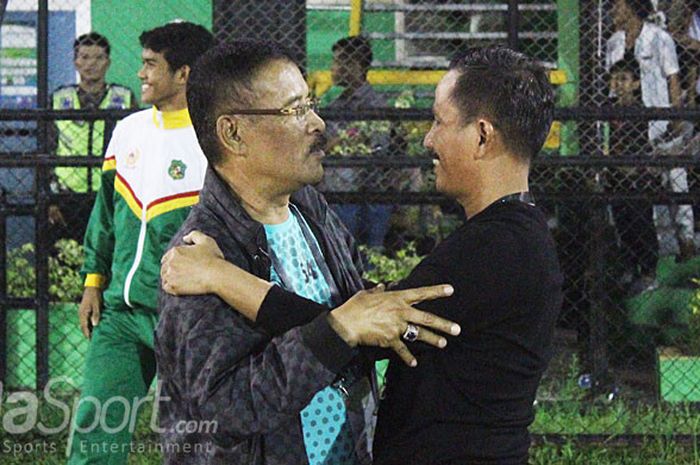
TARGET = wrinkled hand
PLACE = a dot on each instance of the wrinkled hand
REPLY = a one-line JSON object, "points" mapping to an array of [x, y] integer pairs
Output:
{"points": [[191, 269], [89, 310], [379, 318], [55, 216]]}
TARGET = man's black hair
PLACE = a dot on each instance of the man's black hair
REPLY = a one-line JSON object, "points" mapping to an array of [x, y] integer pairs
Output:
{"points": [[641, 8], [89, 39], [355, 48], [628, 64], [223, 80], [510, 90], [181, 43]]}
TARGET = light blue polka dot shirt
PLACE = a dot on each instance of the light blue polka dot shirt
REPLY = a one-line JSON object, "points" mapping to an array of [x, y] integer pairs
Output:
{"points": [[327, 434]]}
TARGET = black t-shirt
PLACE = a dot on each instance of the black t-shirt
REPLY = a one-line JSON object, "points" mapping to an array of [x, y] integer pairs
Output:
{"points": [[472, 401], [629, 138]]}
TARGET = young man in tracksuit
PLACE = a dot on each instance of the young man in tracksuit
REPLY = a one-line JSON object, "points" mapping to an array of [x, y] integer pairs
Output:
{"points": [[152, 174]]}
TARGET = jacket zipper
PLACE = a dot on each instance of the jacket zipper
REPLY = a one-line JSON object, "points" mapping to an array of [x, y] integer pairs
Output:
{"points": [[137, 258]]}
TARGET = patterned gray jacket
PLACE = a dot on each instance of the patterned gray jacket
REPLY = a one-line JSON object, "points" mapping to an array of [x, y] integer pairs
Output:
{"points": [[232, 390]]}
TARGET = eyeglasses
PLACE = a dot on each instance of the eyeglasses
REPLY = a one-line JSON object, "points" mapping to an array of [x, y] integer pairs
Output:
{"points": [[299, 110]]}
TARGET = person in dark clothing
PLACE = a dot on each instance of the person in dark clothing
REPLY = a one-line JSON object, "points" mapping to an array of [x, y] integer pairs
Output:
{"points": [[634, 222], [470, 403], [368, 222], [297, 397]]}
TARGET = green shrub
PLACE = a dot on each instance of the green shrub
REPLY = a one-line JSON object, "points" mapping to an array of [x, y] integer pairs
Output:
{"points": [[386, 269], [65, 282]]}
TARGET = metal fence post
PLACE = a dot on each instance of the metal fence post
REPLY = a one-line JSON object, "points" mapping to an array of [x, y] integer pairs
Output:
{"points": [[41, 220], [513, 24], [598, 337]]}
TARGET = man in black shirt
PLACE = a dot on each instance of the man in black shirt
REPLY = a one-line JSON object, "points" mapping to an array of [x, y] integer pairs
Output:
{"points": [[470, 402]]}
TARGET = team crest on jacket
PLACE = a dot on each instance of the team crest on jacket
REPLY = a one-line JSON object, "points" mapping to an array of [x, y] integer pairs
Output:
{"points": [[177, 169], [133, 158]]}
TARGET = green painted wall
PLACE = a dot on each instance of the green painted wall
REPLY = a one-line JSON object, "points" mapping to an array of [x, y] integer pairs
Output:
{"points": [[326, 27], [123, 24], [569, 61]]}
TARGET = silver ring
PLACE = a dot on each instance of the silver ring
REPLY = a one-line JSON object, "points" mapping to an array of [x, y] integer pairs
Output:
{"points": [[411, 333]]}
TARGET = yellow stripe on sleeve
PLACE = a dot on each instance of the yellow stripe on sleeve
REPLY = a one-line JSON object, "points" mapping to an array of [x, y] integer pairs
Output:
{"points": [[170, 205], [94, 280], [109, 164]]}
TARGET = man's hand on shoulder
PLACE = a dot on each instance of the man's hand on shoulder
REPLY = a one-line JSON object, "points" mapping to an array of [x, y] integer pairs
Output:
{"points": [[192, 268]]}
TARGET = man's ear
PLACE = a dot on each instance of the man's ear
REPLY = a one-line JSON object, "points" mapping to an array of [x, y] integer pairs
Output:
{"points": [[183, 74], [228, 136], [487, 136]]}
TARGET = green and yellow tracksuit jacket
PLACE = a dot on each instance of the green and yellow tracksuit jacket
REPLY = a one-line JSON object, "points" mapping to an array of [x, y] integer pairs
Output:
{"points": [[151, 176]]}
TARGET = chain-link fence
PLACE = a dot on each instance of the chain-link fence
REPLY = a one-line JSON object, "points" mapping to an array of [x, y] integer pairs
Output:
{"points": [[618, 177]]}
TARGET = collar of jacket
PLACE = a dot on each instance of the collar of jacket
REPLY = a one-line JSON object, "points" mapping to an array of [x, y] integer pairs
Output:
{"points": [[176, 119], [217, 196]]}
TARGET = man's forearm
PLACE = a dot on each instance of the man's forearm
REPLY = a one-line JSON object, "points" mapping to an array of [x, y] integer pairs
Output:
{"points": [[274, 309], [241, 290]]}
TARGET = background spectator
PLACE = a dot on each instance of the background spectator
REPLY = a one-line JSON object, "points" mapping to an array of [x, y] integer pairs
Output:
{"points": [[634, 225], [655, 52], [369, 222], [684, 27], [83, 138]]}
